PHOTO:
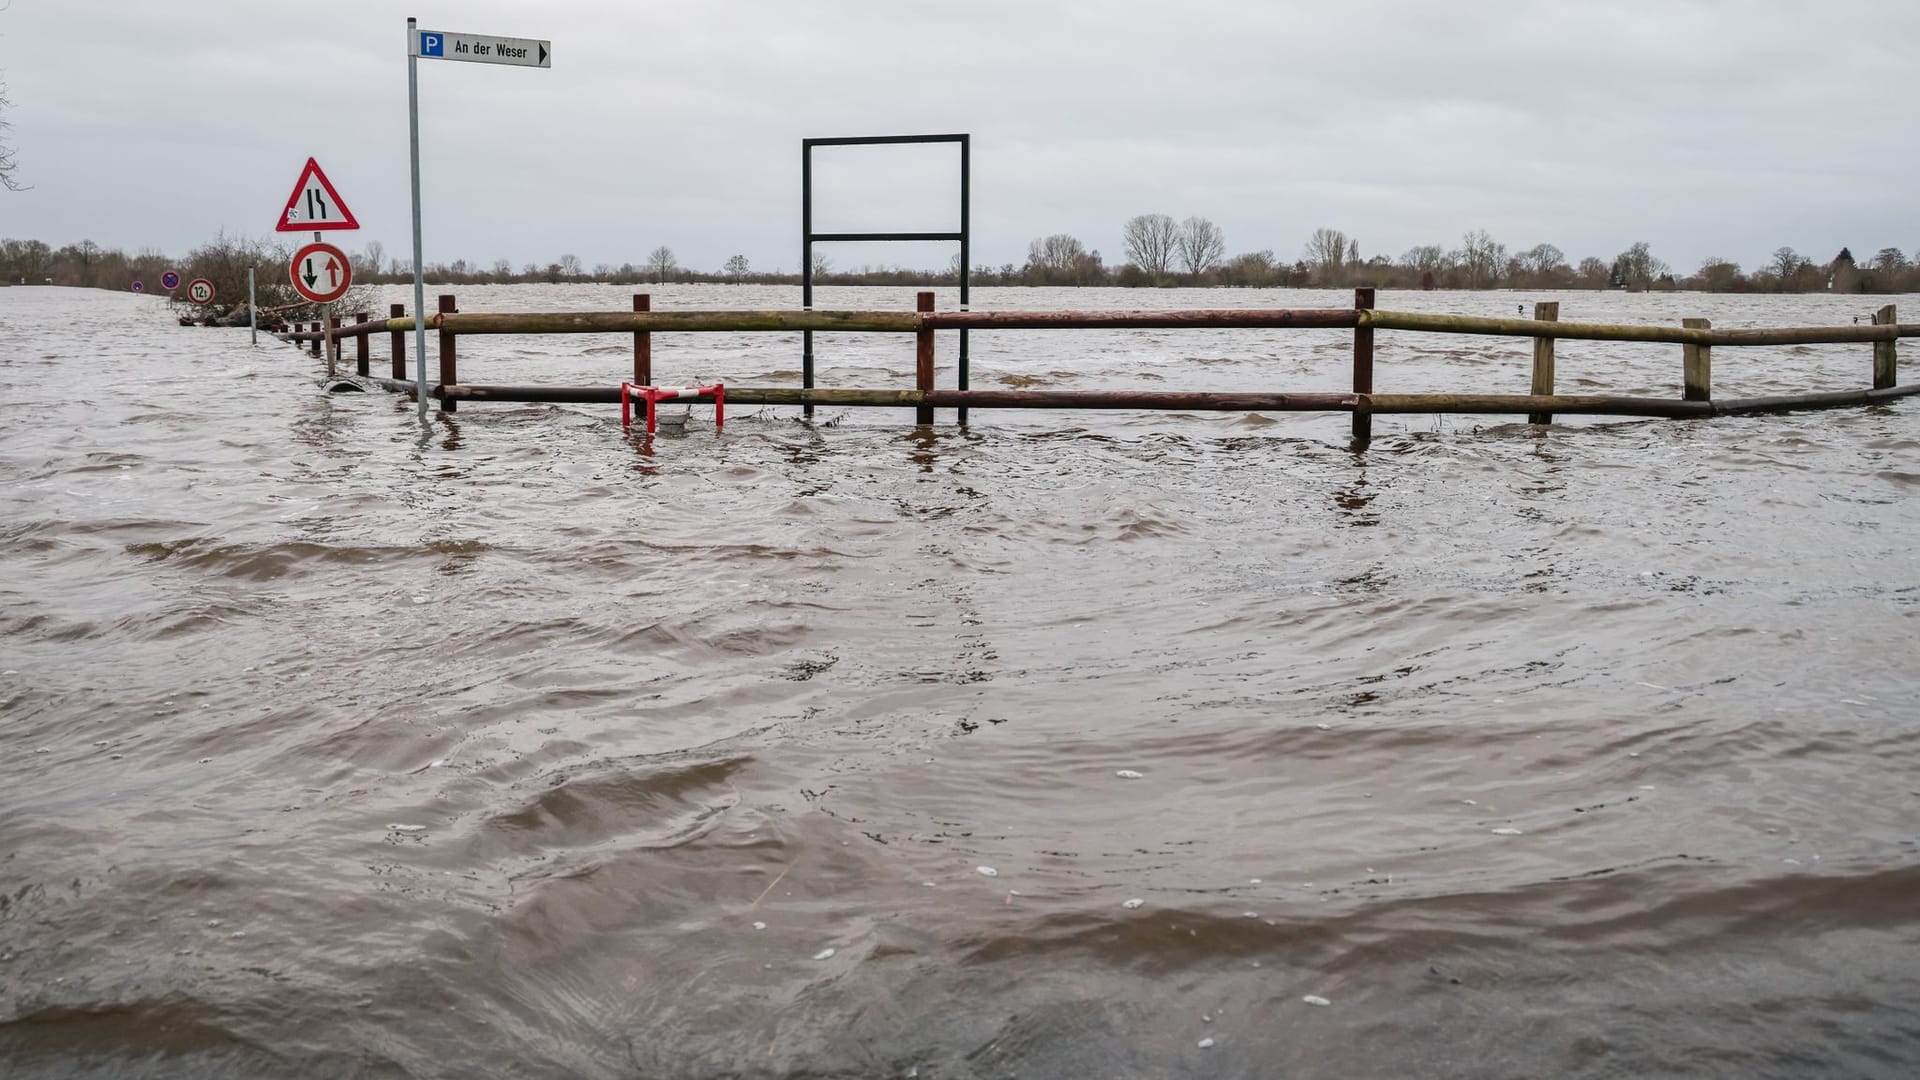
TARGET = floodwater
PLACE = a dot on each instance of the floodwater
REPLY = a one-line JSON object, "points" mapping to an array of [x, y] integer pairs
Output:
{"points": [[1117, 745]]}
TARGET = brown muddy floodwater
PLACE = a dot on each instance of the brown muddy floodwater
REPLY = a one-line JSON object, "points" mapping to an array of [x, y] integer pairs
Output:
{"points": [[1111, 745]]}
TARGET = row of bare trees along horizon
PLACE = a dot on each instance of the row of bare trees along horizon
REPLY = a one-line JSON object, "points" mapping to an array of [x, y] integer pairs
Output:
{"points": [[1158, 250]]}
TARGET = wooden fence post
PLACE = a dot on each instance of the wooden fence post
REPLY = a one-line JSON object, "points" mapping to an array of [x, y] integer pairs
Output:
{"points": [[333, 342], [1549, 311], [399, 311], [361, 358], [1698, 363], [1362, 367], [642, 344], [1885, 353], [923, 362], [448, 375], [316, 339]]}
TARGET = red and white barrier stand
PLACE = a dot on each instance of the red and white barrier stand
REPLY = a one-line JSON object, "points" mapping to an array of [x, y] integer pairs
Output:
{"points": [[656, 394]]}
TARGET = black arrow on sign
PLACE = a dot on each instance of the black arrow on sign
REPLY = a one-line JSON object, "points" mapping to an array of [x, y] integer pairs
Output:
{"points": [[309, 275], [543, 52]]}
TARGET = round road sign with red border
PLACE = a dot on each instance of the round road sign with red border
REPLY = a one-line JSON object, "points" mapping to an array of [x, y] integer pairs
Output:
{"points": [[139, 286], [321, 273], [200, 291], [169, 281]]}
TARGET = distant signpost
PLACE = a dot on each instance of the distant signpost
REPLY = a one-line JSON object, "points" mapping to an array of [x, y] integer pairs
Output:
{"points": [[200, 291], [169, 281], [139, 286], [320, 272]]}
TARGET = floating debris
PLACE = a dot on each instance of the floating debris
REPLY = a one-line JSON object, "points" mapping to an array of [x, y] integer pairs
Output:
{"points": [[438, 764], [824, 954], [406, 828], [1315, 999], [1506, 832], [1134, 903], [1253, 881], [1129, 774], [987, 871], [1205, 1043], [759, 926]]}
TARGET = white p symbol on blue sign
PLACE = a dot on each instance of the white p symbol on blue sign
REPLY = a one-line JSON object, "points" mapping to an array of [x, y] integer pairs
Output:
{"points": [[432, 44]]}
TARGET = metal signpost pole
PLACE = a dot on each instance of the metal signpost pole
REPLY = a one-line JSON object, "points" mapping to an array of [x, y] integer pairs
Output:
{"points": [[253, 311], [442, 45], [419, 280]]}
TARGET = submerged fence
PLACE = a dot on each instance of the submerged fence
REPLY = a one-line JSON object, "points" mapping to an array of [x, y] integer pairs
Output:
{"points": [[1696, 337]]}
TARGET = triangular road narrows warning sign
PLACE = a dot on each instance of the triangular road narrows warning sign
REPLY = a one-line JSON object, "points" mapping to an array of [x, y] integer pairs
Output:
{"points": [[314, 205]]}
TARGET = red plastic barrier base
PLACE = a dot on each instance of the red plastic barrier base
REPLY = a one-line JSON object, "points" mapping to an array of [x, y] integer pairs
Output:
{"points": [[656, 394]]}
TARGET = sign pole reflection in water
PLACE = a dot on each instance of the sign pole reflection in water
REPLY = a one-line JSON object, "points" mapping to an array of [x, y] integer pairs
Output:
{"points": [[253, 312]]}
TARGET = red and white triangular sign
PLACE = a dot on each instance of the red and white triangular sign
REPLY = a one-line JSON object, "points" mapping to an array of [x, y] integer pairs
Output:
{"points": [[314, 205]]}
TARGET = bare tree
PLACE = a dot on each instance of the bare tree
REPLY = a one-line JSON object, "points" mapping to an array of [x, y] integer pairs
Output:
{"points": [[1641, 268], [1327, 254], [1054, 259], [1481, 258], [1787, 262], [1202, 245], [1254, 269], [736, 268], [660, 263], [570, 268], [1542, 259], [1719, 275], [1425, 259], [1150, 240], [371, 260], [7, 164]]}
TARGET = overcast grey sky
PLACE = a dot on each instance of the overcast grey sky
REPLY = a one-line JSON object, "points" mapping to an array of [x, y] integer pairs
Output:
{"points": [[1704, 128]]}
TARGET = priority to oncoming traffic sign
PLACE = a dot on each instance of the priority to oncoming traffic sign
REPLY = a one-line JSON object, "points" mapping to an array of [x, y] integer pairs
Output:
{"points": [[483, 48], [321, 273]]}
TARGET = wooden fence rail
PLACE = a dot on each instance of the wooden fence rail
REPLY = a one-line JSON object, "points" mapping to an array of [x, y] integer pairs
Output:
{"points": [[1697, 337]]}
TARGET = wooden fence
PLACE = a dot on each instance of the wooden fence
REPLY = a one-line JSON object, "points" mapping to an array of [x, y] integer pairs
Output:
{"points": [[1696, 337]]}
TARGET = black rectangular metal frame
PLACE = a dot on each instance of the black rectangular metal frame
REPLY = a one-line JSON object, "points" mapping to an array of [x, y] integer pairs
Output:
{"points": [[808, 236]]}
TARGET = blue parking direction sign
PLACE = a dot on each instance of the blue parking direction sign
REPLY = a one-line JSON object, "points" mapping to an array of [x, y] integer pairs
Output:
{"points": [[483, 48]]}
